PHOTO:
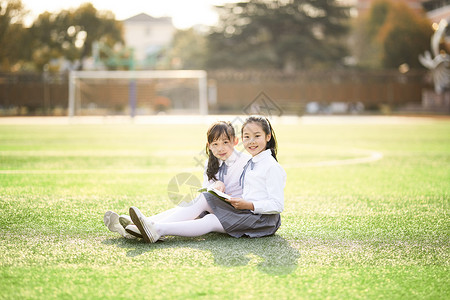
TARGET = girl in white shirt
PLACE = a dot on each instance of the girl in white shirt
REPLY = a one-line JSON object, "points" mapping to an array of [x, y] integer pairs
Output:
{"points": [[263, 180], [222, 172], [256, 214]]}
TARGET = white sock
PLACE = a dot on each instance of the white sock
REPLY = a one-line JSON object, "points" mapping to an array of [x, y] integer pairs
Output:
{"points": [[183, 213], [162, 215], [191, 228]]}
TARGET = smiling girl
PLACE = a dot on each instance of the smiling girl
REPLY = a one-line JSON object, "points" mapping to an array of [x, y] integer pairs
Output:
{"points": [[222, 172], [256, 214], [263, 180]]}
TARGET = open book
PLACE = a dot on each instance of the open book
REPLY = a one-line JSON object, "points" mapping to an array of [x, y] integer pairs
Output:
{"points": [[217, 193]]}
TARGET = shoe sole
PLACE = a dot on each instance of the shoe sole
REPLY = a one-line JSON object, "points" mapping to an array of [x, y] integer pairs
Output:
{"points": [[124, 221], [133, 233], [138, 220], [106, 217], [111, 220]]}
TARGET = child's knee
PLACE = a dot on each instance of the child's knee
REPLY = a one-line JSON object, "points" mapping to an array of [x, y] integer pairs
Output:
{"points": [[209, 217], [214, 222]]}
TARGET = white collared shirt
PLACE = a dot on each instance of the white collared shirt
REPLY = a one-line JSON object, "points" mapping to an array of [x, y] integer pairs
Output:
{"points": [[264, 185], [235, 165]]}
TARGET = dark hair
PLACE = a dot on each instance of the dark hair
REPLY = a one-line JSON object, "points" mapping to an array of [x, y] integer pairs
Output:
{"points": [[215, 131], [267, 128]]}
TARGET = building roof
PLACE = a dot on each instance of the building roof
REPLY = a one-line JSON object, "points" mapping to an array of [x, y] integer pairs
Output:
{"points": [[143, 17]]}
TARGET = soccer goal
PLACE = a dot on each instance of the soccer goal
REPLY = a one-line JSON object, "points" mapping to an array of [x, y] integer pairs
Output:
{"points": [[137, 92]]}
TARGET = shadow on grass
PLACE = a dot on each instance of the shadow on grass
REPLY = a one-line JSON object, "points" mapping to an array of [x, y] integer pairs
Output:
{"points": [[273, 254]]}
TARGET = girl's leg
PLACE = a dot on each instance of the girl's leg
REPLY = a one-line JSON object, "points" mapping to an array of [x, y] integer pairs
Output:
{"points": [[125, 220], [182, 213], [162, 215], [190, 228]]}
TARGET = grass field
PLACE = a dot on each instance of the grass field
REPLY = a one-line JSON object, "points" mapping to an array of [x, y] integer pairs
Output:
{"points": [[352, 228]]}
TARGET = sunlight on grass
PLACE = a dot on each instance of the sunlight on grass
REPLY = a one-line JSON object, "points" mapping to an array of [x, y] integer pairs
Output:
{"points": [[376, 229]]}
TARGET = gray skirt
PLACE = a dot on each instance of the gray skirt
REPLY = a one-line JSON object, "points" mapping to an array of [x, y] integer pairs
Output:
{"points": [[238, 222]]}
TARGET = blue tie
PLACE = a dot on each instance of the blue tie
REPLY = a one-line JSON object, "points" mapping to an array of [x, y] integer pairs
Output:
{"points": [[241, 179], [223, 171]]}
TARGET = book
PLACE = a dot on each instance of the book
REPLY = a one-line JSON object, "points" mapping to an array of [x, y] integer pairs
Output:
{"points": [[217, 193]]}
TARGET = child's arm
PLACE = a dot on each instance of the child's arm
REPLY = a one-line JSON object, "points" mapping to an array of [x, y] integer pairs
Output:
{"points": [[219, 185], [240, 203], [274, 200]]}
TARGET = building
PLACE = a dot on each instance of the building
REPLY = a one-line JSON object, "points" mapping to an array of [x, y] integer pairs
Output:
{"points": [[147, 36]]}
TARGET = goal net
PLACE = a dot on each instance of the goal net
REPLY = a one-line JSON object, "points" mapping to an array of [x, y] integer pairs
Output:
{"points": [[137, 92]]}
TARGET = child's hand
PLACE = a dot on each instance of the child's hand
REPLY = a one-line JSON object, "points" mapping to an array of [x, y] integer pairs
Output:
{"points": [[240, 203], [219, 185]]}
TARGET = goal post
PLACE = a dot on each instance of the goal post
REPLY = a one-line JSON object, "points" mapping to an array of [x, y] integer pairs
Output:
{"points": [[137, 91]]}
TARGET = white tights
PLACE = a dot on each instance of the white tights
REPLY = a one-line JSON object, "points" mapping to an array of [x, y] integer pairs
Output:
{"points": [[181, 221]]}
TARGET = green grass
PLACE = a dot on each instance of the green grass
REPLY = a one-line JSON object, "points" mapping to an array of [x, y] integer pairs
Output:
{"points": [[371, 230]]}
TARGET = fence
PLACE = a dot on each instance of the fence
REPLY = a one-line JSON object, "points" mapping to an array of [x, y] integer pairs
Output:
{"points": [[292, 92], [35, 94]]}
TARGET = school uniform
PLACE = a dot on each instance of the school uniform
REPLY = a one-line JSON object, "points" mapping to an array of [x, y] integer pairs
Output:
{"points": [[229, 173], [263, 181]]}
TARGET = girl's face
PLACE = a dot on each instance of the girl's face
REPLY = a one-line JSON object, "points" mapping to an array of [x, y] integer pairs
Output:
{"points": [[222, 148], [254, 138]]}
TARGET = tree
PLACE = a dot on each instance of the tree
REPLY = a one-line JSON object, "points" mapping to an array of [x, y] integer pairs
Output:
{"points": [[50, 38], [404, 36], [280, 34], [12, 34], [392, 34], [188, 50], [70, 34], [99, 26]]}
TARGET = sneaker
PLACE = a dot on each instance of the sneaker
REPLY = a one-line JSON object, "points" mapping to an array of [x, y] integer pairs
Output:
{"points": [[125, 220], [147, 230], [106, 217], [133, 230], [111, 220]]}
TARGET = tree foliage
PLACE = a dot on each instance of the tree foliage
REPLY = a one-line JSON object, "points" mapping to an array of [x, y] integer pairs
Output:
{"points": [[188, 50], [69, 34], [12, 34], [392, 34], [284, 34]]}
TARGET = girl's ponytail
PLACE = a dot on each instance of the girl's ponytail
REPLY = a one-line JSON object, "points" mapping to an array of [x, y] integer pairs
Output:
{"points": [[272, 143], [213, 165]]}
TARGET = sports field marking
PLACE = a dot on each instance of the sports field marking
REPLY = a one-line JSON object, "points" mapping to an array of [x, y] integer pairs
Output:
{"points": [[206, 120], [97, 171], [370, 156], [94, 153]]}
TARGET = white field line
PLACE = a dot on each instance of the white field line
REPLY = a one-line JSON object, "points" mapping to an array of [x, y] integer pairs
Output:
{"points": [[372, 156], [101, 171], [206, 120], [95, 153]]}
